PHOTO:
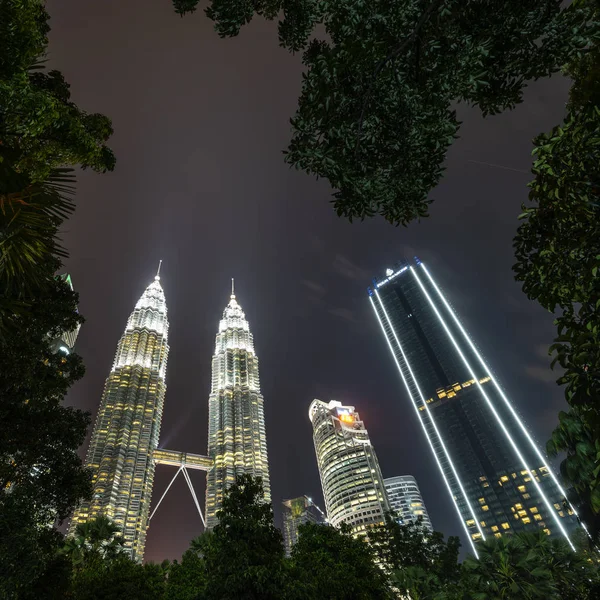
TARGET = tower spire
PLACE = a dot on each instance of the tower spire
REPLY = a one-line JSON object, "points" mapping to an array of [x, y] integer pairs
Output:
{"points": [[158, 271], [232, 288]]}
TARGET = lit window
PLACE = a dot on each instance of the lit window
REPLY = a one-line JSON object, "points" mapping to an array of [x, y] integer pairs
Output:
{"points": [[505, 526], [526, 520], [485, 507], [494, 528]]}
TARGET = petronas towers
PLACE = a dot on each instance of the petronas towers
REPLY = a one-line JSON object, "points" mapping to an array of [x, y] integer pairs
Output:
{"points": [[236, 421], [123, 450], [127, 427]]}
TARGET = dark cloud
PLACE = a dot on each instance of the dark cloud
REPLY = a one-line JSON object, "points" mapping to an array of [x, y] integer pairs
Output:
{"points": [[314, 287], [344, 313], [346, 268]]}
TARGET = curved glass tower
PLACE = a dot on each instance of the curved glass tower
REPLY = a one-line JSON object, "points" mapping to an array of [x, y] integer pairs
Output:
{"points": [[237, 443], [498, 479], [127, 427], [406, 501], [351, 479]]}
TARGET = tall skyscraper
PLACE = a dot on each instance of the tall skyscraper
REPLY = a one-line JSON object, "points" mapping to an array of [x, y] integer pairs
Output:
{"points": [[66, 341], [127, 427], [296, 512], [405, 500], [237, 442], [352, 483], [498, 479]]}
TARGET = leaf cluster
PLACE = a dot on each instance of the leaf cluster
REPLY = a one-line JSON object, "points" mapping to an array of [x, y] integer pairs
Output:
{"points": [[420, 562], [376, 113], [41, 134], [529, 566], [40, 128], [557, 248]]}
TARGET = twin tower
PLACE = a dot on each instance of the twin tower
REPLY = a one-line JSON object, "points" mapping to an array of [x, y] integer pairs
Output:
{"points": [[123, 451]]}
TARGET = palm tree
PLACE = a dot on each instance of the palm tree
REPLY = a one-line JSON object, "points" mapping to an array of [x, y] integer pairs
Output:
{"points": [[30, 216], [529, 566], [509, 568], [94, 539]]}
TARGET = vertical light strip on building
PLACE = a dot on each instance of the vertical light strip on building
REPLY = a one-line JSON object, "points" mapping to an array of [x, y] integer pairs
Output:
{"points": [[492, 409], [423, 424], [502, 394]]}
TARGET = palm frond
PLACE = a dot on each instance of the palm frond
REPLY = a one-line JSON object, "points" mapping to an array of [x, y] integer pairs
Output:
{"points": [[29, 223]]}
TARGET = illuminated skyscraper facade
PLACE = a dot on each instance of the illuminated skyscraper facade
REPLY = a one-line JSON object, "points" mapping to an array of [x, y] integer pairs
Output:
{"points": [[66, 341], [405, 500], [237, 443], [351, 479], [498, 479], [127, 427], [296, 512]]}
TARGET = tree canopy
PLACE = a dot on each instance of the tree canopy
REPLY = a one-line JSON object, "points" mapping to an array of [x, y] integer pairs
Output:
{"points": [[42, 134], [529, 566], [376, 114], [557, 248], [421, 562]]}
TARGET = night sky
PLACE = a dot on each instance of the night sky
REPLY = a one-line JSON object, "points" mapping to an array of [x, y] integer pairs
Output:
{"points": [[200, 124]]}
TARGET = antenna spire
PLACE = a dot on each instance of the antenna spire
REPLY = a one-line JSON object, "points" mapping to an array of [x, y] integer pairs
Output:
{"points": [[232, 288], [158, 271]]}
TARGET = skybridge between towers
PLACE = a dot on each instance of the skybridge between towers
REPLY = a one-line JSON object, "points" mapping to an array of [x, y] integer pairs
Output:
{"points": [[184, 461]]}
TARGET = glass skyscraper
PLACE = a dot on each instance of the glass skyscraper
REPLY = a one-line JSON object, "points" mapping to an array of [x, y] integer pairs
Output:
{"points": [[66, 341], [405, 500], [351, 479], [498, 479], [296, 512], [127, 426], [237, 443]]}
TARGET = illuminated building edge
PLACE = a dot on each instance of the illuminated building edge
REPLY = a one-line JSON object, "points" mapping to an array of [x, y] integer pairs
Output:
{"points": [[421, 405]]}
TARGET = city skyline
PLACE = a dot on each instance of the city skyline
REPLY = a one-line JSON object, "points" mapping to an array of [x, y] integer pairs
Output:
{"points": [[497, 477], [201, 183], [233, 338]]}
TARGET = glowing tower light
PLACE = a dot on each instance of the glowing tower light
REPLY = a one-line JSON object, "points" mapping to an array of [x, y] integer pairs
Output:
{"points": [[498, 479]]}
